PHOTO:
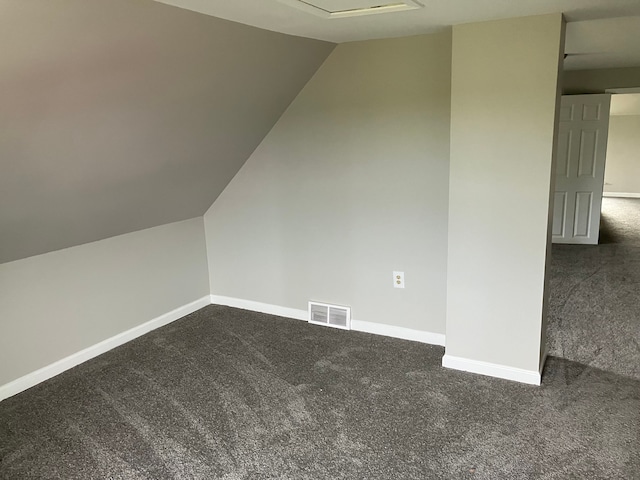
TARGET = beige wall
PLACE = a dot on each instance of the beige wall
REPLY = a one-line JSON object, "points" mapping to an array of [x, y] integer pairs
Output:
{"points": [[350, 185], [597, 81], [504, 95], [622, 172], [56, 304]]}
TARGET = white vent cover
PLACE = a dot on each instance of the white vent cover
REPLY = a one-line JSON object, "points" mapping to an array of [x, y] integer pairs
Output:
{"points": [[330, 315], [352, 8]]}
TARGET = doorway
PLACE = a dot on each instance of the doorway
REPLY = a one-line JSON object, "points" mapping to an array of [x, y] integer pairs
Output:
{"points": [[594, 304]]}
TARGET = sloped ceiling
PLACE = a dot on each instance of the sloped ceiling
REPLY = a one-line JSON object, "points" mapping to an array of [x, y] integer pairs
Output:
{"points": [[281, 17], [119, 115], [600, 33]]}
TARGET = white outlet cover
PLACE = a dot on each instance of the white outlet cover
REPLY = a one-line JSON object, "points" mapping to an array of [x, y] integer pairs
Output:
{"points": [[398, 279]]}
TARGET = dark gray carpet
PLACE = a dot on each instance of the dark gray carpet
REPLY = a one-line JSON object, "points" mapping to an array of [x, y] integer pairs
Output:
{"points": [[230, 394], [595, 294]]}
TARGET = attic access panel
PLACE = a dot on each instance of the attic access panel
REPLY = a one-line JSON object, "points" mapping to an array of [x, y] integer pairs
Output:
{"points": [[351, 8]]}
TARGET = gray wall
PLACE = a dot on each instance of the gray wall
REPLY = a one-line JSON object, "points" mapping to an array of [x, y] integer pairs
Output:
{"points": [[503, 116], [597, 81], [622, 172], [121, 115], [351, 184], [56, 304]]}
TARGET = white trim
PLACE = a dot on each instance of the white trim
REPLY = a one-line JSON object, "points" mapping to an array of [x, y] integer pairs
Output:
{"points": [[34, 378], [491, 369], [621, 194], [356, 325], [260, 307], [31, 379], [398, 332]]}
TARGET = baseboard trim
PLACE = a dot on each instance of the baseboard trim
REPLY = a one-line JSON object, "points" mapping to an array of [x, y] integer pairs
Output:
{"points": [[260, 307], [398, 332], [32, 379], [621, 195], [530, 377], [357, 325]]}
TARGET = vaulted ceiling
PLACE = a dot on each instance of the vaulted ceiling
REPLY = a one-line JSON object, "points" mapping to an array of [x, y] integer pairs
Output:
{"points": [[600, 34], [120, 115]]}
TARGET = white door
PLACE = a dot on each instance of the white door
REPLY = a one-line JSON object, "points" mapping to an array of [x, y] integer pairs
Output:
{"points": [[582, 149]]}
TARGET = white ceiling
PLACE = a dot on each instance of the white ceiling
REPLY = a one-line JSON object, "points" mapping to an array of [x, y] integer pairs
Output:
{"points": [[627, 104], [603, 43], [603, 32]]}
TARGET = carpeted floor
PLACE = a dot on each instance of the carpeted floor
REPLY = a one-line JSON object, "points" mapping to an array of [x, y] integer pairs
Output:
{"points": [[594, 310], [230, 394]]}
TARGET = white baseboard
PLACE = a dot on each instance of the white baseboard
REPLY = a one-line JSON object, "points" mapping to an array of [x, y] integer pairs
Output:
{"points": [[491, 369], [260, 307], [357, 325], [398, 332], [31, 379], [621, 194], [484, 368]]}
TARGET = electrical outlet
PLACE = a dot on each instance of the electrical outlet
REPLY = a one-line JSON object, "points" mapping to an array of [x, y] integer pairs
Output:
{"points": [[398, 279]]}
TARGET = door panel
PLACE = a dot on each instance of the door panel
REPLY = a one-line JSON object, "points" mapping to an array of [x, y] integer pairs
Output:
{"points": [[559, 207], [582, 149], [588, 150], [584, 204]]}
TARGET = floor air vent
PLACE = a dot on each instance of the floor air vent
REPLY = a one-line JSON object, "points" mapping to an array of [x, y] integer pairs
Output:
{"points": [[330, 315]]}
